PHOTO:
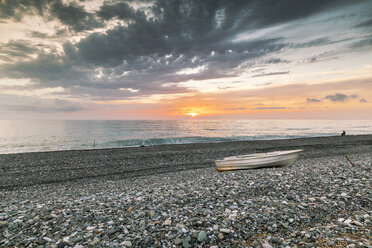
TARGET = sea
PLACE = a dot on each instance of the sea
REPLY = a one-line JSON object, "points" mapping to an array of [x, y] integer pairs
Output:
{"points": [[18, 136]]}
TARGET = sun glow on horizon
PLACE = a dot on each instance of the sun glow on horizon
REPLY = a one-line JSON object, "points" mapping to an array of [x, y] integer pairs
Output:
{"points": [[192, 114]]}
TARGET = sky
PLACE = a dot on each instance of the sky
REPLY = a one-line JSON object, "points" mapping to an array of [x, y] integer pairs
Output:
{"points": [[184, 59]]}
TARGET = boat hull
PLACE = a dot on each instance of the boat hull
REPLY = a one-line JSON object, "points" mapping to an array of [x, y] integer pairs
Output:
{"points": [[258, 160]]}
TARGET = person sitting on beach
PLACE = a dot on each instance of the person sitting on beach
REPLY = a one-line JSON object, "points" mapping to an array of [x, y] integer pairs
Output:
{"points": [[343, 133]]}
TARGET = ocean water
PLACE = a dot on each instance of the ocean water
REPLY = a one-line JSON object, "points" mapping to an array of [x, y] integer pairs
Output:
{"points": [[32, 136]]}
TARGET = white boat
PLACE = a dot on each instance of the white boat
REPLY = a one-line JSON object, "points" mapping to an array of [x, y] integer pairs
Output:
{"points": [[258, 160]]}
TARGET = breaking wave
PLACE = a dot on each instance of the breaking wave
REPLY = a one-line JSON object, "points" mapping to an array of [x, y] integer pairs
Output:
{"points": [[189, 140]]}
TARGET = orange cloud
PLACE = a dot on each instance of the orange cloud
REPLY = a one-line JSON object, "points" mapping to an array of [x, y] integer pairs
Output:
{"points": [[280, 101], [269, 102]]}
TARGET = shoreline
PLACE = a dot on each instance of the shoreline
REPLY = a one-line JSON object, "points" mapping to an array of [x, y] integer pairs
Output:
{"points": [[357, 136], [26, 169], [172, 196], [311, 140]]}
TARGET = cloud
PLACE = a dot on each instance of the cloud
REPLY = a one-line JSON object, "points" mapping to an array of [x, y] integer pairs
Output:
{"points": [[196, 16], [265, 84], [15, 103], [275, 61], [37, 34], [319, 42], [119, 10], [363, 100], [16, 9], [72, 15], [367, 23], [264, 108], [264, 13], [18, 50], [362, 43], [271, 74], [236, 108], [330, 55], [287, 99], [46, 69], [312, 100], [304, 90], [144, 70], [338, 97], [315, 42], [146, 49]]}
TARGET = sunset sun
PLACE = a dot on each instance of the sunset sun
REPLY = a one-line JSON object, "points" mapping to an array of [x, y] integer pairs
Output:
{"points": [[192, 114]]}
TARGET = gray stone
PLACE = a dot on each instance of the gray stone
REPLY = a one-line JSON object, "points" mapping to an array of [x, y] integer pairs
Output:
{"points": [[111, 232], [221, 236], [40, 241], [76, 239], [127, 243], [266, 245], [202, 236], [224, 230], [62, 244], [186, 242], [177, 241]]}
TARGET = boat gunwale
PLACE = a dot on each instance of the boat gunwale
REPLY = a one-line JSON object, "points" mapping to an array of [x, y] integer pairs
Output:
{"points": [[254, 156]]}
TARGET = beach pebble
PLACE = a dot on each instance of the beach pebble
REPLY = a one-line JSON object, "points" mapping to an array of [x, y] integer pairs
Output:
{"points": [[172, 196], [178, 241], [266, 245], [62, 244], [167, 222], [202, 236], [186, 242], [127, 243], [224, 230]]}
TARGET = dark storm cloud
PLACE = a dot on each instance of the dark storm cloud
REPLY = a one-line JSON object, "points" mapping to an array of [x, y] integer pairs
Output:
{"points": [[147, 72], [273, 12], [156, 44], [181, 26], [16, 9], [198, 15], [49, 70], [367, 23], [119, 10], [72, 15], [19, 48]]}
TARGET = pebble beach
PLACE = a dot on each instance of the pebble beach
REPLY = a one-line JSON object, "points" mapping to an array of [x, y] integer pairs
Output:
{"points": [[172, 196]]}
